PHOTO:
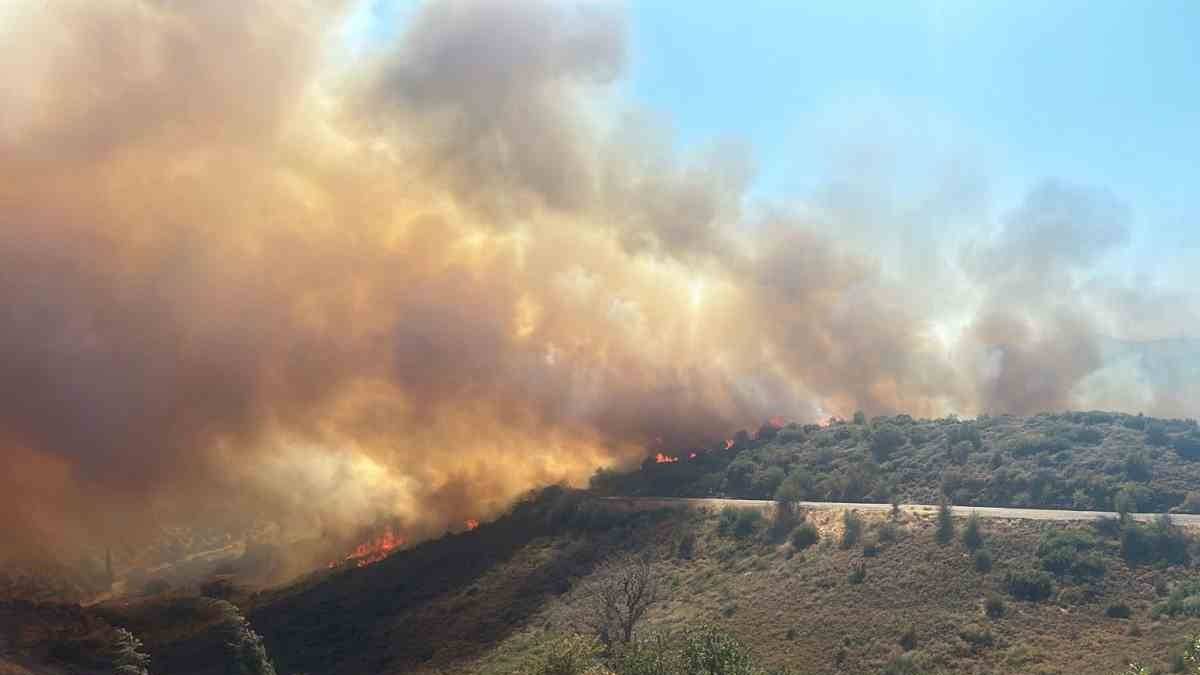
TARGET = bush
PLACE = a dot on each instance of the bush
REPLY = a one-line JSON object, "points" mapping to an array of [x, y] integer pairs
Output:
{"points": [[945, 523], [983, 561], [1027, 584], [972, 536], [870, 549], [851, 528], [805, 535], [1069, 552], [977, 636], [727, 520], [1120, 611], [858, 573], [748, 522], [1158, 542], [1184, 600], [994, 607], [710, 651], [885, 439], [887, 533], [908, 639], [569, 655], [902, 665], [687, 546]]}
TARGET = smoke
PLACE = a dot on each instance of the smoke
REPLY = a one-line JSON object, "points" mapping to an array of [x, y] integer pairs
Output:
{"points": [[239, 277]]}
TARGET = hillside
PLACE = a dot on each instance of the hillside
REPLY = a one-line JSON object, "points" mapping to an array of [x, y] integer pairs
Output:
{"points": [[1073, 460], [489, 601]]}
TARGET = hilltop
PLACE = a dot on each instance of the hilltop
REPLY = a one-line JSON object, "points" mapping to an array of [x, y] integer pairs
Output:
{"points": [[1072, 460]]}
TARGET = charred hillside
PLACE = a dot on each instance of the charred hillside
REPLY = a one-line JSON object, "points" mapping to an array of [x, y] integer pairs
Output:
{"points": [[1071, 460]]}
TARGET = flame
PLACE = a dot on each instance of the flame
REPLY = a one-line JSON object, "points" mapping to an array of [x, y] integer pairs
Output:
{"points": [[728, 443], [665, 459], [374, 550], [777, 421], [692, 455], [472, 524]]}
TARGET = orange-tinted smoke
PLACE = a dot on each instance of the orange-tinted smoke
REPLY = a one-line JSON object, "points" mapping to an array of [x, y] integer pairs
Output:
{"points": [[245, 275]]}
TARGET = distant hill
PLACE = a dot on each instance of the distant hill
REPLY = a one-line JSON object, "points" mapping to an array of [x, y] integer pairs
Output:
{"points": [[1080, 460]]}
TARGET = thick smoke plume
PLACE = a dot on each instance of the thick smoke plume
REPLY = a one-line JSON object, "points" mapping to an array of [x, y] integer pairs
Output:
{"points": [[244, 273]]}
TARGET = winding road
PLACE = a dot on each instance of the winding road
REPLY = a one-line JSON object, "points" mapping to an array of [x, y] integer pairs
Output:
{"points": [[642, 503]]}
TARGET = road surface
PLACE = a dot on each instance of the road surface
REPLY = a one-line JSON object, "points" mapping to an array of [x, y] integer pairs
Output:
{"points": [[1188, 520]]}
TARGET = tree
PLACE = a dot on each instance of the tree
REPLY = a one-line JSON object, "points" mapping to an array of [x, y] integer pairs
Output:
{"points": [[945, 522], [127, 655], [972, 536], [617, 596], [885, 439], [248, 654], [852, 526], [1124, 503]]}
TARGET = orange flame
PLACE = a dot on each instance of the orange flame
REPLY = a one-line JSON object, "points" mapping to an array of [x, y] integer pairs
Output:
{"points": [[777, 421], [728, 443], [665, 459], [374, 550], [692, 455], [472, 524]]}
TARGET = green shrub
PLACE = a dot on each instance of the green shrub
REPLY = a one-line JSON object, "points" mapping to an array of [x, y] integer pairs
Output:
{"points": [[887, 533], [805, 535], [1184, 600], [727, 520], [858, 573], [687, 546], [565, 655], [983, 561], [945, 523], [1031, 585], [870, 549], [749, 521], [904, 664], [885, 439], [994, 607], [709, 651], [977, 636], [1069, 552], [1157, 542], [650, 656], [1119, 611], [908, 639], [972, 536], [851, 528]]}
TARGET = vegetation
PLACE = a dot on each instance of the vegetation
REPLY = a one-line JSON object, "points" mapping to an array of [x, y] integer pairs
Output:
{"points": [[805, 535], [705, 650], [128, 658], [617, 596], [972, 536], [945, 523], [851, 529], [247, 654], [1029, 585], [1075, 460]]}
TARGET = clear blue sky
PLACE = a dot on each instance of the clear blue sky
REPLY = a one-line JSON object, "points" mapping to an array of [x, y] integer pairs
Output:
{"points": [[1105, 94]]}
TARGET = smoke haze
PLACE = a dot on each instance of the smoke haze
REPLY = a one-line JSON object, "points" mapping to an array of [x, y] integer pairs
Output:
{"points": [[240, 273]]}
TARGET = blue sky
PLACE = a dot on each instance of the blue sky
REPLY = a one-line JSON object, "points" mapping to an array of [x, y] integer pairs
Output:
{"points": [[1105, 94]]}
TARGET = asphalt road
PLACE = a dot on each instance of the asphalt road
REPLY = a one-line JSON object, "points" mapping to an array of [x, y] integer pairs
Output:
{"points": [[1188, 520]]}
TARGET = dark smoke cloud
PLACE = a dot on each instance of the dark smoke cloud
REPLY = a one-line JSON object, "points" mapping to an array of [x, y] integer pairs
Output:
{"points": [[238, 281]]}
